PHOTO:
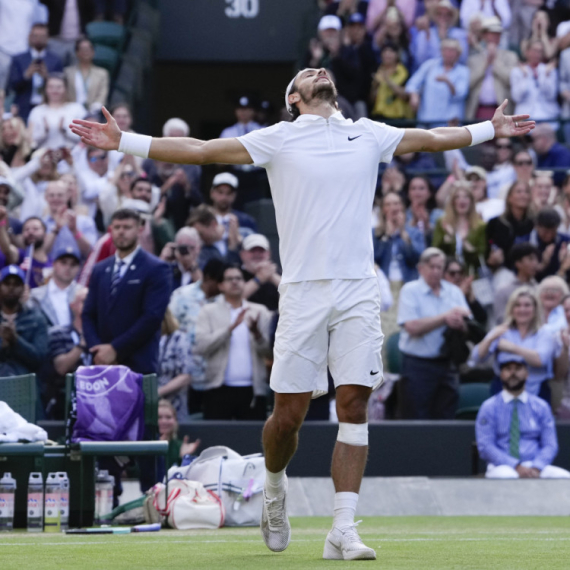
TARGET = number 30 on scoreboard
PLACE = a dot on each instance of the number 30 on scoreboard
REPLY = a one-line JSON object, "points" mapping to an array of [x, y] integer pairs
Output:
{"points": [[242, 8]]}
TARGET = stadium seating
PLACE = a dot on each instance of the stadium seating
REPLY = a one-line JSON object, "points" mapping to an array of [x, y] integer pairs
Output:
{"points": [[393, 354], [471, 396], [106, 33], [106, 57]]}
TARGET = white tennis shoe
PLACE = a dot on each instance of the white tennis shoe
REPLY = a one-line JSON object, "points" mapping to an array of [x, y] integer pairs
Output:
{"points": [[345, 544], [275, 527]]}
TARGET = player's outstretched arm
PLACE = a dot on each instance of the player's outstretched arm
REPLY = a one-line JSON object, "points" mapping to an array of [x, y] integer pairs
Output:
{"points": [[449, 138], [108, 136]]}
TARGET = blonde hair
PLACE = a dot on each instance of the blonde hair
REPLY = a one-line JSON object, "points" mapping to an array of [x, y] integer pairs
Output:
{"points": [[162, 403], [23, 141], [554, 282], [515, 295], [169, 324], [450, 216]]}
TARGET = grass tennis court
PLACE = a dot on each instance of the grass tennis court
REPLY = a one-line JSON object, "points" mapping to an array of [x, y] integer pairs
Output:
{"points": [[418, 543]]}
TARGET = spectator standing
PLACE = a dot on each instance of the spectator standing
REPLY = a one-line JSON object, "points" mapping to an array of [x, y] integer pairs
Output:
{"points": [[534, 86], [6, 191], [455, 273], [486, 207], [489, 73], [489, 8], [118, 189], [523, 166], [233, 336], [67, 350], [183, 254], [180, 183], [551, 244], [223, 195], [377, 10], [523, 23], [174, 366], [426, 307], [245, 114], [54, 299], [551, 292], [65, 227], [87, 84], [211, 233], [524, 258], [438, 89], [30, 70], [427, 41], [539, 33], [563, 410], [460, 232], [503, 171], [23, 331], [513, 226], [94, 178], [542, 190], [34, 236], [516, 433], [185, 305], [128, 296], [260, 273], [522, 335], [549, 152], [422, 212], [388, 95]]}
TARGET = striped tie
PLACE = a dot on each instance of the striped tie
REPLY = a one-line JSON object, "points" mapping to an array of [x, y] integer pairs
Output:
{"points": [[515, 433], [116, 277]]}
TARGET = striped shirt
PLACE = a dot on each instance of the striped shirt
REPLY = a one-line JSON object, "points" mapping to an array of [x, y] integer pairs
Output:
{"points": [[538, 442]]}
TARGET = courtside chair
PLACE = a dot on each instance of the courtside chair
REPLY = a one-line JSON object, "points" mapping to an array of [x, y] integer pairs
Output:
{"points": [[106, 33], [393, 354], [471, 396], [20, 393]]}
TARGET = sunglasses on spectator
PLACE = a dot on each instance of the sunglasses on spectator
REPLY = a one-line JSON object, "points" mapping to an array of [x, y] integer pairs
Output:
{"points": [[455, 272], [523, 163], [94, 159], [504, 146]]}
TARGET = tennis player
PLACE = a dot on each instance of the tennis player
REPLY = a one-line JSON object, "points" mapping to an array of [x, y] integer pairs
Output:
{"points": [[323, 170]]}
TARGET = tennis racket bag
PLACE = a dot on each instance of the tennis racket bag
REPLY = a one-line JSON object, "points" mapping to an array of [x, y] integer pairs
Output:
{"points": [[238, 480]]}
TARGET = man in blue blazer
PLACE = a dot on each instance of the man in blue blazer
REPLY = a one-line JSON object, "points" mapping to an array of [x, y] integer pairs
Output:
{"points": [[30, 70], [128, 296]]}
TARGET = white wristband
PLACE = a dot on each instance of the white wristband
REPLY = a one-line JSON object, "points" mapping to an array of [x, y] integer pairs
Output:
{"points": [[131, 143], [481, 132]]}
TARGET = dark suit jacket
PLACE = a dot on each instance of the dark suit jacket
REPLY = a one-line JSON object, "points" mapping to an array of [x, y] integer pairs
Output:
{"points": [[22, 86], [129, 320]]}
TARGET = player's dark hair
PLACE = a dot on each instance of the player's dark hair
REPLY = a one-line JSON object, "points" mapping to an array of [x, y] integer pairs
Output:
{"points": [[294, 109]]}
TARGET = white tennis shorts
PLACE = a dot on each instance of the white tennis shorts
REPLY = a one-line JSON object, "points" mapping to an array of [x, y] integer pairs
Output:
{"points": [[334, 322]]}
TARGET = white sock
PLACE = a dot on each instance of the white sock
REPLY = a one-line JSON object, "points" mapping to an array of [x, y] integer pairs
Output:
{"points": [[274, 483], [344, 509]]}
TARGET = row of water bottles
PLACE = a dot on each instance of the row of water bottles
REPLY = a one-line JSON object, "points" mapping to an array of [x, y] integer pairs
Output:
{"points": [[47, 511]]}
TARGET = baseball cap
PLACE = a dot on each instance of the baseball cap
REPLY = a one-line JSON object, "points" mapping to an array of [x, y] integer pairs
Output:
{"points": [[225, 178], [12, 270], [330, 22], [140, 206], [67, 250], [505, 358], [255, 240], [492, 24], [356, 18], [478, 171]]}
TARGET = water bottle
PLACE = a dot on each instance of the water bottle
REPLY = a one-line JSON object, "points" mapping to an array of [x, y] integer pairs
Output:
{"points": [[103, 495], [35, 503], [52, 515], [64, 499], [7, 494]]}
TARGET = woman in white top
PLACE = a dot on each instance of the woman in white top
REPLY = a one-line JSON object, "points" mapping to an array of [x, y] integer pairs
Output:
{"points": [[534, 86], [48, 123]]}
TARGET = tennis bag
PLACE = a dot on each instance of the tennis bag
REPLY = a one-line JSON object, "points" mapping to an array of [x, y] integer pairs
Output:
{"points": [[188, 505], [238, 480]]}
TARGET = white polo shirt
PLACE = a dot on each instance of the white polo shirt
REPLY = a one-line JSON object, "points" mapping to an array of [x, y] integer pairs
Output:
{"points": [[323, 175]]}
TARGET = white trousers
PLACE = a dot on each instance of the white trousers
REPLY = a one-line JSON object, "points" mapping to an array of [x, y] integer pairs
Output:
{"points": [[507, 472]]}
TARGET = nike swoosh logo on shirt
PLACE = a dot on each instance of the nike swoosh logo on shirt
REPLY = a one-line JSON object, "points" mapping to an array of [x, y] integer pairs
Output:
{"points": [[372, 373], [351, 139]]}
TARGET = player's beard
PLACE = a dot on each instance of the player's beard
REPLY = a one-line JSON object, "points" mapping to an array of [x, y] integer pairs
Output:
{"points": [[321, 91]]}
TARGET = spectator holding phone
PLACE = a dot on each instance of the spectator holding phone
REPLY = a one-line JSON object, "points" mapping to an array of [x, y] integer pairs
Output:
{"points": [[182, 254]]}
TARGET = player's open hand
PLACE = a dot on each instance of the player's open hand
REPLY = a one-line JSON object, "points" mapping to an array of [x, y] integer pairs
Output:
{"points": [[510, 125], [105, 136]]}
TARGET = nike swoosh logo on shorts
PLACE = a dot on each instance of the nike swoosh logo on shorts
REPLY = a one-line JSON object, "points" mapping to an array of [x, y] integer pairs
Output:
{"points": [[374, 373], [351, 139]]}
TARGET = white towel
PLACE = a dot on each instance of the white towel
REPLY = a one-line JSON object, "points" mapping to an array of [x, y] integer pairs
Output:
{"points": [[14, 428]]}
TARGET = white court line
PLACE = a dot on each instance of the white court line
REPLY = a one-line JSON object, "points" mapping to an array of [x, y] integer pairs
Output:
{"points": [[71, 542]]}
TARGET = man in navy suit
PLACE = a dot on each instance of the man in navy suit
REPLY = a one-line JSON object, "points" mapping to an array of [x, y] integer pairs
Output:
{"points": [[128, 296], [30, 69]]}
